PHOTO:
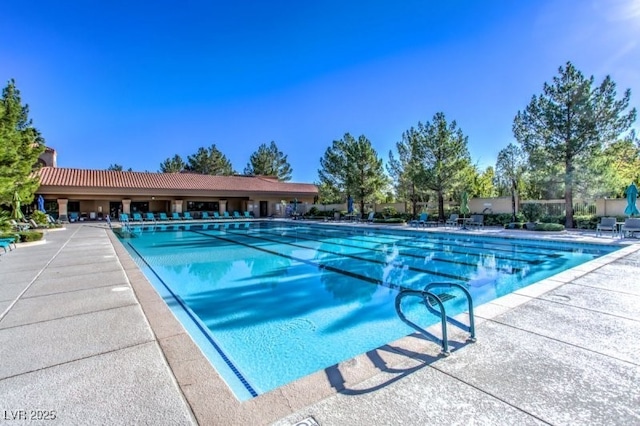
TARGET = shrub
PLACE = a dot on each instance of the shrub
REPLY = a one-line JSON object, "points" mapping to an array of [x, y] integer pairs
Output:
{"points": [[389, 211], [390, 220], [39, 217], [513, 225], [532, 211], [313, 211], [28, 236], [549, 227]]}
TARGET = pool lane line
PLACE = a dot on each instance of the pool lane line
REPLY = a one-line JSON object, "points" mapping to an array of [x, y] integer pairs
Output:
{"points": [[411, 268], [417, 256], [525, 242], [308, 262], [206, 332], [440, 244]]}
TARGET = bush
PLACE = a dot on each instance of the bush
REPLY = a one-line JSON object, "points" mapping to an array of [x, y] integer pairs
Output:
{"points": [[532, 211], [390, 220], [40, 218], [513, 225], [549, 227], [389, 212], [28, 236]]}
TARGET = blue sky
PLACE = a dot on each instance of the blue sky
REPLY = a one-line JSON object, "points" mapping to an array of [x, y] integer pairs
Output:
{"points": [[135, 83]]}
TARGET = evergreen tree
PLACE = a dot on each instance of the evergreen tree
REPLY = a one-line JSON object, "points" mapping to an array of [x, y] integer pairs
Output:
{"points": [[209, 162], [20, 146], [510, 167], [117, 168], [569, 124], [405, 172], [352, 167], [172, 165], [444, 156], [269, 161]]}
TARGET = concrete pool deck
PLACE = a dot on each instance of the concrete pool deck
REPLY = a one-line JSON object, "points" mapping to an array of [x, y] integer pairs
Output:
{"points": [[84, 334]]}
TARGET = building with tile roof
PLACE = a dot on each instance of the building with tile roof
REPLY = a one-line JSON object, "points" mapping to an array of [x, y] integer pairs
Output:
{"points": [[92, 194]]}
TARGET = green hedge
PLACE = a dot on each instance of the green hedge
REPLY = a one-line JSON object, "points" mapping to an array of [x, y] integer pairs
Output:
{"points": [[29, 236], [549, 227]]}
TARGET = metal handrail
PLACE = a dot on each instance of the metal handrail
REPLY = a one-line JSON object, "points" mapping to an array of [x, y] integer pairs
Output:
{"points": [[429, 298], [444, 342], [471, 328]]}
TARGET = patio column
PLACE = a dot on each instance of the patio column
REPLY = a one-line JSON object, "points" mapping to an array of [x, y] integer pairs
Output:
{"points": [[222, 206], [62, 209], [126, 206], [176, 206]]}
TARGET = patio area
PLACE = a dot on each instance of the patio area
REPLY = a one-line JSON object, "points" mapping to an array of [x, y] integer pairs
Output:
{"points": [[83, 335]]}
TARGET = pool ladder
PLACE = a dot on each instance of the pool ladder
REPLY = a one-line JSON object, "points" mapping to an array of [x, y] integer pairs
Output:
{"points": [[430, 300]]}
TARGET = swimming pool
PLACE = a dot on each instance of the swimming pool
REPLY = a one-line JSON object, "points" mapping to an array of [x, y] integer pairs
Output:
{"points": [[270, 302]]}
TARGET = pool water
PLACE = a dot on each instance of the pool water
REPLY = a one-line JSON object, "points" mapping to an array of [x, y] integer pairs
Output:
{"points": [[271, 302]]}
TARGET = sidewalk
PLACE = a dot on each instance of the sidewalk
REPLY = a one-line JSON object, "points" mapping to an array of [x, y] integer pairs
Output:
{"points": [[74, 343]]}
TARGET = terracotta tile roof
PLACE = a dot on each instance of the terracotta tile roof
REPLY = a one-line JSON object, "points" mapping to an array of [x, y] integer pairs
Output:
{"points": [[78, 178]]}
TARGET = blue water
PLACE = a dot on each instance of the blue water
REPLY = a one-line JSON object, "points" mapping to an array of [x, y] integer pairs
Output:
{"points": [[270, 302]]}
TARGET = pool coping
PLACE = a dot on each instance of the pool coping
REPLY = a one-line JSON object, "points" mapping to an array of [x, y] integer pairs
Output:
{"points": [[212, 401]]}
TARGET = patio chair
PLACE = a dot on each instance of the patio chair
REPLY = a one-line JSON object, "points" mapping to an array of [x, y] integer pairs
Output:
{"points": [[162, 216], [476, 221], [205, 215], [19, 226], [236, 215], [5, 243], [371, 217], [124, 217], [226, 215], [453, 220], [176, 216], [136, 217], [247, 215], [607, 223], [631, 225], [150, 217], [216, 215], [421, 221], [187, 216]]}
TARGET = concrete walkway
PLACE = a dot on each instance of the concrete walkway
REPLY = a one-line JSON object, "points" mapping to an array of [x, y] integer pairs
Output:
{"points": [[74, 342], [75, 338]]}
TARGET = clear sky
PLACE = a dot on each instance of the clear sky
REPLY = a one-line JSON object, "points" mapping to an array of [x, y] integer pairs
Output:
{"points": [[136, 82]]}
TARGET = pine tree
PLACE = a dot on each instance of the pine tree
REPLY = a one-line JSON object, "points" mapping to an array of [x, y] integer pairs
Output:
{"points": [[269, 161], [209, 162], [569, 124], [20, 146]]}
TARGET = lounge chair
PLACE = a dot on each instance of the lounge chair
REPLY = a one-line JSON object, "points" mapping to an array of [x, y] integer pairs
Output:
{"points": [[226, 215], [124, 217], [162, 216], [5, 243], [150, 217], [607, 224], [421, 221], [236, 215], [19, 226], [136, 217], [205, 215], [176, 216], [187, 216], [247, 215], [476, 221], [453, 220], [631, 225], [216, 215], [35, 225]]}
